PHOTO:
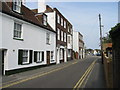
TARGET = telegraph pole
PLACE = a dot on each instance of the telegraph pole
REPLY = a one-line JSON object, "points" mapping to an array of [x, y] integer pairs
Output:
{"points": [[101, 38]]}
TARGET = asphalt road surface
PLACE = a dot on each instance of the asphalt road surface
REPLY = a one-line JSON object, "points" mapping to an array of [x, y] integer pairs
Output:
{"points": [[85, 73]]}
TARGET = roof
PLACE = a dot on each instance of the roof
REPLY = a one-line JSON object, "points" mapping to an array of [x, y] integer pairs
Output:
{"points": [[106, 45], [26, 15]]}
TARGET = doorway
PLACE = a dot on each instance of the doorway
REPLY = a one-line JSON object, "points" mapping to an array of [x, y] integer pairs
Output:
{"points": [[48, 57], [3, 55]]}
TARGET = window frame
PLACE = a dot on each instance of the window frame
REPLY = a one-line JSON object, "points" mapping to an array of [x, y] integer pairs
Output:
{"points": [[58, 34], [28, 53], [17, 5], [19, 32], [52, 55], [45, 20], [65, 24], [48, 38], [68, 39], [58, 18], [62, 24], [62, 34], [65, 37]]}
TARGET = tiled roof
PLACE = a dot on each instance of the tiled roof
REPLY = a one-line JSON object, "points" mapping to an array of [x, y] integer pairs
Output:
{"points": [[26, 15]]}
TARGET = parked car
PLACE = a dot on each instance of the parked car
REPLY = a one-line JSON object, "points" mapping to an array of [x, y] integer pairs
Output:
{"points": [[98, 54]]}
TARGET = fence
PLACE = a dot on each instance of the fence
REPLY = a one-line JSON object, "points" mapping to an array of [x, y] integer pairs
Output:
{"points": [[108, 68]]}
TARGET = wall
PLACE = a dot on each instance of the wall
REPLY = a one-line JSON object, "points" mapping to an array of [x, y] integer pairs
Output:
{"points": [[69, 45], [75, 41], [0, 30], [34, 38], [108, 71], [51, 19]]}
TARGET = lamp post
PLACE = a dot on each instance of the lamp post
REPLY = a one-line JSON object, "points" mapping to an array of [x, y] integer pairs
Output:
{"points": [[101, 38]]}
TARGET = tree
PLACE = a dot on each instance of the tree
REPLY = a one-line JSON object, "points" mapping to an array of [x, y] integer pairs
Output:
{"points": [[107, 39], [116, 27]]}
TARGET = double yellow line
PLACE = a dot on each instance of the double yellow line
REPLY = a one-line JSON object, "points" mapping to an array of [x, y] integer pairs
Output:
{"points": [[81, 80]]}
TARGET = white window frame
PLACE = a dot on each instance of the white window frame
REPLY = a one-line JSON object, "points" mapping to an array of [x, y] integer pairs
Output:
{"points": [[64, 37], [17, 5], [64, 24], [61, 54], [47, 38], [45, 20], [25, 57], [58, 33], [17, 31], [61, 21], [39, 56], [58, 18]]}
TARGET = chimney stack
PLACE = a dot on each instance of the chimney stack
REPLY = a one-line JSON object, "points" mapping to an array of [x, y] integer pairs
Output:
{"points": [[41, 6]]}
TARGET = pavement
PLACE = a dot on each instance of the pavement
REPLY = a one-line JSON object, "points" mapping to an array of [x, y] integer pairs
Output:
{"points": [[64, 75]]}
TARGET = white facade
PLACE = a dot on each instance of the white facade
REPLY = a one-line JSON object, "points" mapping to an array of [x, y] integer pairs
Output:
{"points": [[70, 45], [34, 38], [75, 41], [51, 18], [78, 45]]}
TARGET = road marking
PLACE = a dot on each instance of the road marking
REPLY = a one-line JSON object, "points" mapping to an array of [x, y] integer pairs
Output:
{"points": [[85, 77], [36, 76], [88, 77], [79, 83]]}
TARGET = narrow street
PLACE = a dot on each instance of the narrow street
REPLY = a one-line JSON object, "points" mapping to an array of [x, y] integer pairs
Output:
{"points": [[84, 73]]}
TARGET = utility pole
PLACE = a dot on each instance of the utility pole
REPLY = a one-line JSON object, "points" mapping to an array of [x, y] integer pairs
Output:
{"points": [[101, 38]]}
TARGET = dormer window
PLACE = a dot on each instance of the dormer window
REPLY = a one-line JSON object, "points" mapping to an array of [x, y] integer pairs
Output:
{"points": [[45, 20], [17, 5]]}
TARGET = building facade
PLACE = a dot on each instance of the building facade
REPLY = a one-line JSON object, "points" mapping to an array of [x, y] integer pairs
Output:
{"points": [[64, 32], [78, 45], [27, 40]]}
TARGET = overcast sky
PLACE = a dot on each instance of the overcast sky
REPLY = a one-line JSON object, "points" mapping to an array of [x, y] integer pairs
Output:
{"points": [[84, 18]]}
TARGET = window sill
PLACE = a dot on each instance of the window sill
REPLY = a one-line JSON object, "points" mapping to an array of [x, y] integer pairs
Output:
{"points": [[25, 63], [18, 39], [39, 61]]}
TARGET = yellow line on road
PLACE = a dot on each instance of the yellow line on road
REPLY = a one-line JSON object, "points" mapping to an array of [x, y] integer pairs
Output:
{"points": [[33, 77], [79, 83], [84, 77]]}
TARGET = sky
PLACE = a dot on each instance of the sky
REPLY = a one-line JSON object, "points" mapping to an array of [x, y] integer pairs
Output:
{"points": [[84, 18]]}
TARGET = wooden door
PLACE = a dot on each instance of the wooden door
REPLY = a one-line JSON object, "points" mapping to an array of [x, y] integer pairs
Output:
{"points": [[48, 57]]}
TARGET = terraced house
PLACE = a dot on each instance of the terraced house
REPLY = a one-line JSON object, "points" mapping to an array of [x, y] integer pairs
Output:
{"points": [[28, 41], [63, 28]]}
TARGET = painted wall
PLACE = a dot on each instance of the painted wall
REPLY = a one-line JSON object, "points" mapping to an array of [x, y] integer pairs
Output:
{"points": [[0, 30], [34, 38], [69, 45], [75, 41], [51, 18]]}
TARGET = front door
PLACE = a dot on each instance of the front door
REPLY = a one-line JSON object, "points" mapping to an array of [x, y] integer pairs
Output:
{"points": [[48, 57]]}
